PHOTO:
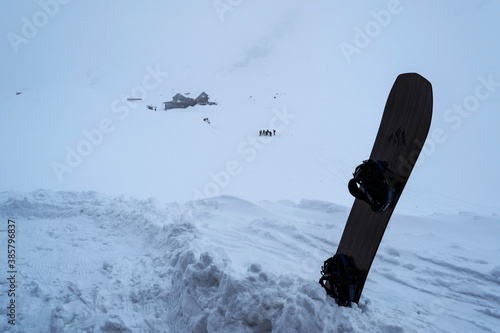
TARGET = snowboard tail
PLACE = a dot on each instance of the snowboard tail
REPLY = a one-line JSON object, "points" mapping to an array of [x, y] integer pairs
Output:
{"points": [[400, 138]]}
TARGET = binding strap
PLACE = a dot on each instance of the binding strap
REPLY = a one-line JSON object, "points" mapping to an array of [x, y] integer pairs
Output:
{"points": [[369, 183], [339, 278]]}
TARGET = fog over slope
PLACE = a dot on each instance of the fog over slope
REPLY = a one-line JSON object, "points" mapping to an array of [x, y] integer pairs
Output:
{"points": [[329, 65]]}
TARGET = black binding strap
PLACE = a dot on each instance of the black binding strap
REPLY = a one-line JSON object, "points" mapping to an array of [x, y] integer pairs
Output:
{"points": [[370, 184], [340, 280]]}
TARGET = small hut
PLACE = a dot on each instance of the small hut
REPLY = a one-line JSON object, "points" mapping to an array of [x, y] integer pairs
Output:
{"points": [[179, 101], [202, 99]]}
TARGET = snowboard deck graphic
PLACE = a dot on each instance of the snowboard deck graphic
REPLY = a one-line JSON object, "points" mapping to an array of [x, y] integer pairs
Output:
{"points": [[402, 133]]}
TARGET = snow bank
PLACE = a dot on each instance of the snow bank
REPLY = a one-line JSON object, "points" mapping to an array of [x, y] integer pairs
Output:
{"points": [[93, 263]]}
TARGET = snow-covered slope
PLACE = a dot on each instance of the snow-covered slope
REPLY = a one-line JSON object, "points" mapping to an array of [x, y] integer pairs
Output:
{"points": [[92, 263], [308, 69]]}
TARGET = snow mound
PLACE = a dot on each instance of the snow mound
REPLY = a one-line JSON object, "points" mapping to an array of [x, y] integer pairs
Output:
{"points": [[92, 263]]}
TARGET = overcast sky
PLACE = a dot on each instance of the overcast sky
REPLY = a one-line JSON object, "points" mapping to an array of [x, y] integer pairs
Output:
{"points": [[89, 51]]}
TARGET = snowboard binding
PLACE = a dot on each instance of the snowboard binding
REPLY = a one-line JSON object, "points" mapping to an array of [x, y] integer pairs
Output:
{"points": [[370, 183], [340, 280]]}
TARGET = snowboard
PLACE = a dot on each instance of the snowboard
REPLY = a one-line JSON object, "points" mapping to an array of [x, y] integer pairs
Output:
{"points": [[400, 138]]}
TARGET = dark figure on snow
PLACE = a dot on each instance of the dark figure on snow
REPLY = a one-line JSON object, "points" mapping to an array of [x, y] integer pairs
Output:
{"points": [[274, 131]]}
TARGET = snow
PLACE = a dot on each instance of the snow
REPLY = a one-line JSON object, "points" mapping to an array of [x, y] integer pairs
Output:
{"points": [[88, 262], [130, 220]]}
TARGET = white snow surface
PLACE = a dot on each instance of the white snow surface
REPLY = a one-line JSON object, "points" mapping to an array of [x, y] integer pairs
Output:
{"points": [[88, 262]]}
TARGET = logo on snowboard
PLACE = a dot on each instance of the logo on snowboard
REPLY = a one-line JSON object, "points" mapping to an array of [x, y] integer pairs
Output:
{"points": [[397, 138]]}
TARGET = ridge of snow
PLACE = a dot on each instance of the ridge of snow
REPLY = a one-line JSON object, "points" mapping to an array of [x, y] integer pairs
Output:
{"points": [[89, 262]]}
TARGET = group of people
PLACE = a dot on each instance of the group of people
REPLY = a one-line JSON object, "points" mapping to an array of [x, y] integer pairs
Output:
{"points": [[206, 120], [151, 107], [267, 132]]}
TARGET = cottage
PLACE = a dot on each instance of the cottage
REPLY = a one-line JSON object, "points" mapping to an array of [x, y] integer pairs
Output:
{"points": [[202, 99], [179, 101]]}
